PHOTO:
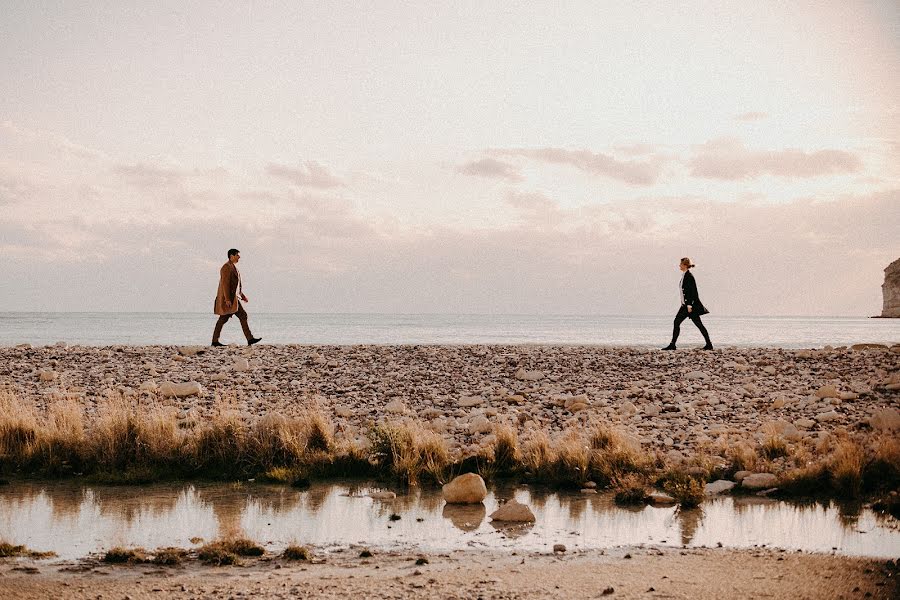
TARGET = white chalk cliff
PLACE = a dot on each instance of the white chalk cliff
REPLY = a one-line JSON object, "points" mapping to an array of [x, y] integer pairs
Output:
{"points": [[890, 289]]}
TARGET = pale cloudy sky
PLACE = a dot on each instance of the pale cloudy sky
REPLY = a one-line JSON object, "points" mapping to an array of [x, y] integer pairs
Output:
{"points": [[490, 157]]}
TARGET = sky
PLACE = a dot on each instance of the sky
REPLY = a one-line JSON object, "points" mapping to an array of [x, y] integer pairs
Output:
{"points": [[450, 157]]}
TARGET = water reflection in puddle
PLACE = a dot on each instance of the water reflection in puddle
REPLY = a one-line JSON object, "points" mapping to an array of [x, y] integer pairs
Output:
{"points": [[74, 521]]}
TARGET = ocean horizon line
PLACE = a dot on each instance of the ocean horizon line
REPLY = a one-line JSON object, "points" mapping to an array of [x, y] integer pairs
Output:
{"points": [[435, 314]]}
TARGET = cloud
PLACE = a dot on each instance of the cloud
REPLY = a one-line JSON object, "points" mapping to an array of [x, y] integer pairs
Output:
{"points": [[633, 172], [144, 175], [309, 174], [729, 159], [751, 116], [493, 168], [58, 144]]}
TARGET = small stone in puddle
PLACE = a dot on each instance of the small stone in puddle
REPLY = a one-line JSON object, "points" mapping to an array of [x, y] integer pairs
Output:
{"points": [[609, 591], [559, 548], [394, 517], [365, 554], [421, 561]]}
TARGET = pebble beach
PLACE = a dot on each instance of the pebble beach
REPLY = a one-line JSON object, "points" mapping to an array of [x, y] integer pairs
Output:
{"points": [[674, 402]]}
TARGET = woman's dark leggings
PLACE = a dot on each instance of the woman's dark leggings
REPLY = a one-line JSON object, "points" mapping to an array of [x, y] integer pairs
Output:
{"points": [[680, 317]]}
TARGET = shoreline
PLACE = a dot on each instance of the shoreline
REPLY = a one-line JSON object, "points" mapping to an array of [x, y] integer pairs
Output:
{"points": [[710, 414], [630, 572]]}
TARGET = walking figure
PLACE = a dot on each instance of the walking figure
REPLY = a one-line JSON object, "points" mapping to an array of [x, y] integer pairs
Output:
{"points": [[227, 299], [691, 307]]}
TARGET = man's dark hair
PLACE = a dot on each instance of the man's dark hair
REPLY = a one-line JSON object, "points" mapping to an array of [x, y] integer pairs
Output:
{"points": [[233, 251]]}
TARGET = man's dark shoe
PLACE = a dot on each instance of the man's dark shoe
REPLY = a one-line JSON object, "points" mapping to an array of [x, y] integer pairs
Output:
{"points": [[708, 347], [670, 347], [217, 344], [252, 341]]}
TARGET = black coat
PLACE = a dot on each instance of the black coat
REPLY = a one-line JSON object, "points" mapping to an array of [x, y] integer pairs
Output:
{"points": [[689, 295]]}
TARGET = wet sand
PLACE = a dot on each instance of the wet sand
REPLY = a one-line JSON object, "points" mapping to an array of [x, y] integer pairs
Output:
{"points": [[648, 573]]}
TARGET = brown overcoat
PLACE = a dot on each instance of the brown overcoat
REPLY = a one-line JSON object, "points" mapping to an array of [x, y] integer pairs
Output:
{"points": [[229, 285]]}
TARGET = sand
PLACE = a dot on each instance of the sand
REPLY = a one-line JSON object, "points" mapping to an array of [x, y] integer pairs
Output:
{"points": [[649, 573]]}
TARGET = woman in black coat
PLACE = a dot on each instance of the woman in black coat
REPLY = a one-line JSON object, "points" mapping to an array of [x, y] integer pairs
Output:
{"points": [[691, 307]]}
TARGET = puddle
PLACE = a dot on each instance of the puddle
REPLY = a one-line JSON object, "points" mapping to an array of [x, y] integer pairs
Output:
{"points": [[74, 520]]}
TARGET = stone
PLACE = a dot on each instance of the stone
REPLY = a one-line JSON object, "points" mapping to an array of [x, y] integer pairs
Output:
{"points": [[559, 548], [469, 401], [149, 386], [191, 350], [241, 364], [718, 487], [577, 403], [395, 407], [180, 390], [382, 495], [830, 415], [480, 424], [513, 511], [696, 375], [804, 423], [660, 498], [885, 419], [890, 291], [465, 489], [828, 391], [759, 481], [343, 411], [739, 476], [523, 375], [628, 408], [860, 347], [845, 396], [778, 402]]}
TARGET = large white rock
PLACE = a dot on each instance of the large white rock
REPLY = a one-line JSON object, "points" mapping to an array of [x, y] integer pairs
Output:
{"points": [[180, 390], [719, 486], [890, 290], [759, 481], [465, 489], [513, 512], [885, 419]]}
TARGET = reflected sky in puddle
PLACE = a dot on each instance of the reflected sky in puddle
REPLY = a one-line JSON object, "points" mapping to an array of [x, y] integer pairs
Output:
{"points": [[74, 520]]}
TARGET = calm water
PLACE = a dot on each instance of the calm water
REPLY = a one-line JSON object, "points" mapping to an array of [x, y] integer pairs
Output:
{"points": [[196, 328], [74, 521]]}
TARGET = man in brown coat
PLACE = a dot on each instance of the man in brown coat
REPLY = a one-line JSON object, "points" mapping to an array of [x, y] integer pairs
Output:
{"points": [[227, 303]]}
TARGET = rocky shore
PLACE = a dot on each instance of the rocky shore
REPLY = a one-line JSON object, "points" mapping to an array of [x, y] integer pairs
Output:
{"points": [[675, 402]]}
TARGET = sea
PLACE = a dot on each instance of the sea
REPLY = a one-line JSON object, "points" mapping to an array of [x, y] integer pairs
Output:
{"points": [[143, 328]]}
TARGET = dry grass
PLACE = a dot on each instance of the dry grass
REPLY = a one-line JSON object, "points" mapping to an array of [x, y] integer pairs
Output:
{"points": [[8, 550], [687, 490], [506, 454], [774, 447], [119, 556], [293, 552], [130, 440], [226, 552], [169, 557], [631, 490], [409, 451]]}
